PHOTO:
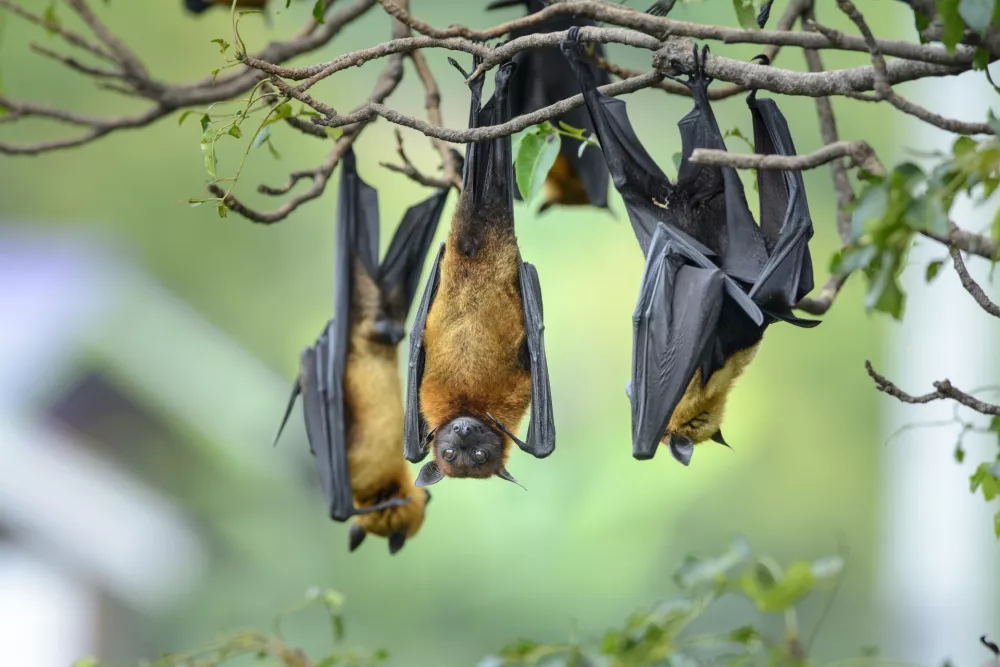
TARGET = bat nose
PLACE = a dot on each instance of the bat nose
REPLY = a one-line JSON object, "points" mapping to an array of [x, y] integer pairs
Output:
{"points": [[392, 332]]}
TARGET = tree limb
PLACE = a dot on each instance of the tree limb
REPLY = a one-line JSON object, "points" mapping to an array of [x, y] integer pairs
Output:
{"points": [[943, 389], [970, 285]]}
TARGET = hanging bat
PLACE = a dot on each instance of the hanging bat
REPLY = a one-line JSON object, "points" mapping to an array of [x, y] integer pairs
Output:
{"points": [[349, 380], [713, 279], [477, 355], [199, 6], [543, 78], [663, 7]]}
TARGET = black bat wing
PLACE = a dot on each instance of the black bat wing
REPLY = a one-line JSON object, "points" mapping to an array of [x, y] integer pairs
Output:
{"points": [[675, 324], [786, 223], [740, 240], [635, 175], [541, 427], [399, 274], [414, 425]]}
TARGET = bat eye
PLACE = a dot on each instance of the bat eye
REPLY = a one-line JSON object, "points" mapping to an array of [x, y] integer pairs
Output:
{"points": [[448, 454], [479, 456]]}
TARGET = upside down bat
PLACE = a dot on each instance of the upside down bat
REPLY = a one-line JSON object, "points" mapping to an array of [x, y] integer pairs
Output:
{"points": [[349, 380], [663, 7], [713, 279], [477, 356], [542, 78]]}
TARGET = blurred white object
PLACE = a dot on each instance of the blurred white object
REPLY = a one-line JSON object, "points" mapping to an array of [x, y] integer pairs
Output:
{"points": [[939, 560]]}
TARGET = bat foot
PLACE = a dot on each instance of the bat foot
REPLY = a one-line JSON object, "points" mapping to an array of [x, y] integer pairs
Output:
{"points": [[695, 72]]}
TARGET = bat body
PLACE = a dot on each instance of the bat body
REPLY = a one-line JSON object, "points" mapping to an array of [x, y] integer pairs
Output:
{"points": [[543, 77], [199, 6], [714, 280], [349, 380], [477, 357]]}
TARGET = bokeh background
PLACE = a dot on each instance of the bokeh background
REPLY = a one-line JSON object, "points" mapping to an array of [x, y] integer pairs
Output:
{"points": [[147, 347]]}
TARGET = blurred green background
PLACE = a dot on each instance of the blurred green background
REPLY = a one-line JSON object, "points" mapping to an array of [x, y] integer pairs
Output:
{"points": [[598, 533]]}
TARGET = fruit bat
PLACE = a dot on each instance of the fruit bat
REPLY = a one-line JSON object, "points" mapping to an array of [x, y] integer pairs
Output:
{"points": [[349, 379], [477, 355], [663, 7], [713, 280], [199, 6], [543, 78]]}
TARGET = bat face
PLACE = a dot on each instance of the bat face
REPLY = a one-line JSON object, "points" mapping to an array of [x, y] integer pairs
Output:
{"points": [[466, 447]]}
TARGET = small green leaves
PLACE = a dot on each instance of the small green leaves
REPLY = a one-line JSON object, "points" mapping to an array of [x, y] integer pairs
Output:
{"points": [[223, 45], [953, 27], [206, 122], [51, 18], [933, 269], [234, 131], [335, 132], [772, 594], [959, 453], [87, 662], [696, 571], [746, 14], [222, 210], [317, 11], [996, 524], [983, 478], [535, 150], [977, 14], [262, 136], [208, 150]]}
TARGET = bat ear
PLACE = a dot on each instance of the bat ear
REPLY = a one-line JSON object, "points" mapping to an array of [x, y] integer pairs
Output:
{"points": [[429, 474], [396, 542], [503, 474], [356, 536], [682, 448], [717, 437]]}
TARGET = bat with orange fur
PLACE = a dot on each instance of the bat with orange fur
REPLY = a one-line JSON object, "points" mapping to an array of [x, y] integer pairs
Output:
{"points": [[477, 355], [199, 6], [349, 380], [543, 77]]}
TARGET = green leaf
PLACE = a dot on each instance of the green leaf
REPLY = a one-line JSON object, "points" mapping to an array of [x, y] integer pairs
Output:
{"points": [[208, 150], [195, 203], [959, 453], [996, 524], [980, 59], [953, 27], [235, 131], [921, 22], [318, 11], [852, 259], [870, 207], [884, 293], [745, 14], [184, 116], [984, 479], [927, 214], [272, 150], [933, 269], [222, 209], [335, 132], [778, 595], [223, 45], [215, 74], [206, 122], [533, 158], [744, 635], [50, 17], [976, 13], [262, 136], [963, 146], [87, 662], [696, 571]]}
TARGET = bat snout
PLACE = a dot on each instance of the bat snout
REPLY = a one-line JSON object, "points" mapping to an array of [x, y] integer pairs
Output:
{"points": [[389, 332]]}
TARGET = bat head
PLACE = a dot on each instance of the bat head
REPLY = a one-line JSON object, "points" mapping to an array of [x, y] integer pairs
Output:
{"points": [[388, 331], [396, 524], [466, 447]]}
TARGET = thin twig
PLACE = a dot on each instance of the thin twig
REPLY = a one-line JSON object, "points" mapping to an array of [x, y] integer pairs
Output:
{"points": [[411, 172], [822, 302], [884, 91], [432, 103], [943, 389], [970, 285]]}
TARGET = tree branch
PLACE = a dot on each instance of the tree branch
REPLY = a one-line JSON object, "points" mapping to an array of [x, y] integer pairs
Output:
{"points": [[970, 285], [884, 91], [943, 389], [859, 151]]}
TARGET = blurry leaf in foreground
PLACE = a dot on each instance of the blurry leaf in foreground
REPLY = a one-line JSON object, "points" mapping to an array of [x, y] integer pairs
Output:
{"points": [[771, 594], [695, 571]]}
